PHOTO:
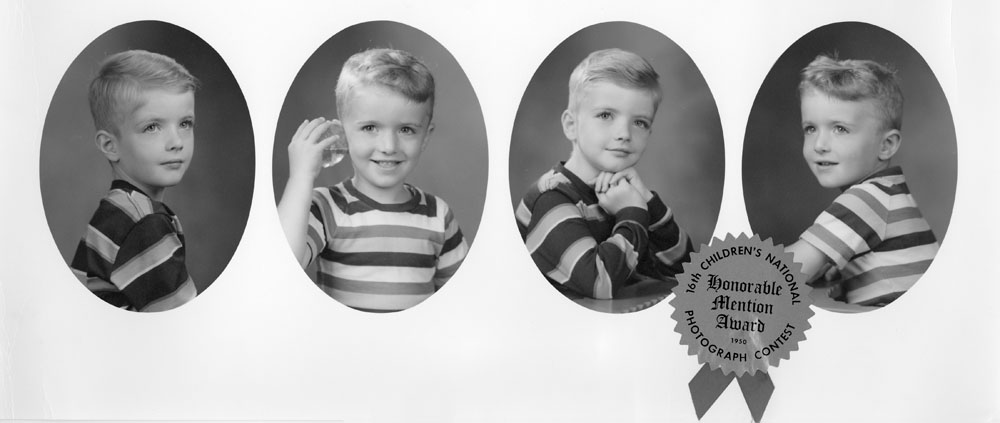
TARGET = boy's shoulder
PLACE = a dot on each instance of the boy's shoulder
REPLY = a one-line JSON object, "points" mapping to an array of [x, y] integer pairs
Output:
{"points": [[882, 191], [124, 206], [557, 182]]}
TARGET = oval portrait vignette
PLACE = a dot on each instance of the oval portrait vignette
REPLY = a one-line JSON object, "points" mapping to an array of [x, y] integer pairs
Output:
{"points": [[641, 113], [391, 217], [850, 158], [147, 166]]}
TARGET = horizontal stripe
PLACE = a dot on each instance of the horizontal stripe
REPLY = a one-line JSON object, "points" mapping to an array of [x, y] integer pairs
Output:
{"points": [[101, 244], [186, 292], [385, 245], [380, 258], [384, 230], [831, 246], [870, 234], [674, 254], [548, 222], [377, 273], [158, 253], [380, 288], [523, 215], [568, 260], [375, 303], [906, 241]]}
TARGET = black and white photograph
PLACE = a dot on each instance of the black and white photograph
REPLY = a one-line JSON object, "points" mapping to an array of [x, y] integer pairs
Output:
{"points": [[616, 166], [145, 212], [393, 211], [383, 123], [850, 160]]}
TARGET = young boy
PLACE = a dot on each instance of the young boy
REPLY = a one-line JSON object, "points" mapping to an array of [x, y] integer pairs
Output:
{"points": [[383, 245], [872, 243], [590, 224], [132, 254]]}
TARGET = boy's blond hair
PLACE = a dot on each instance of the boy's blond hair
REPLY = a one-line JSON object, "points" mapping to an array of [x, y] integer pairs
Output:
{"points": [[118, 85], [623, 68], [396, 70], [857, 80]]}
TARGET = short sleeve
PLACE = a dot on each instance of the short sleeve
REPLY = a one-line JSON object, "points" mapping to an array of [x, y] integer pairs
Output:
{"points": [[150, 270], [852, 225], [320, 221], [452, 252]]}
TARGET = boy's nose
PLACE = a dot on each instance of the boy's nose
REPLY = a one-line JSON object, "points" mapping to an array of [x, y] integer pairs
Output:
{"points": [[174, 141], [821, 143], [388, 142], [622, 131]]}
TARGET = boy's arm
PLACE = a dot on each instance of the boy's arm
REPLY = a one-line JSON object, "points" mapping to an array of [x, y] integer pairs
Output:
{"points": [[563, 248], [304, 155], [669, 245], [149, 269], [814, 262], [453, 253]]}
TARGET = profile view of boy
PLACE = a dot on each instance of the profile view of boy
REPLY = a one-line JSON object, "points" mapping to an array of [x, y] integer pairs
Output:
{"points": [[132, 253], [590, 224], [382, 244], [872, 243]]}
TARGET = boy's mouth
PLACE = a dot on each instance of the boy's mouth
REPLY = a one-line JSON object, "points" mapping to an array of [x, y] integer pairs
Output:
{"points": [[173, 164], [387, 164], [825, 163], [619, 151]]}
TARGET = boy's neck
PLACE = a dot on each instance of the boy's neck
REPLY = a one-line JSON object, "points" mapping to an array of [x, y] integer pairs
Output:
{"points": [[155, 193], [394, 195], [581, 167]]}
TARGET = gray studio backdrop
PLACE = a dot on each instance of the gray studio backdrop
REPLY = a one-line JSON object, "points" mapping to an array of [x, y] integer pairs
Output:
{"points": [[782, 195], [212, 201], [455, 164], [684, 161]]}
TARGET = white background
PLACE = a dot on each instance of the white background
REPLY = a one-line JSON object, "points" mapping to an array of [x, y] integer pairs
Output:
{"points": [[497, 344]]}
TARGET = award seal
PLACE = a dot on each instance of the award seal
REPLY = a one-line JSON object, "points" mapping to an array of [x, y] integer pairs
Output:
{"points": [[741, 305]]}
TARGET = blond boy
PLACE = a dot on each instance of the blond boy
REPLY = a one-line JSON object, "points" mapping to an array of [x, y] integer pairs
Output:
{"points": [[132, 254], [872, 243], [591, 225], [382, 244]]}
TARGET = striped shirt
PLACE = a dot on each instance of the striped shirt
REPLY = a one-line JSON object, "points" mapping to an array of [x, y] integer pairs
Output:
{"points": [[132, 254], [876, 237], [382, 257], [583, 250]]}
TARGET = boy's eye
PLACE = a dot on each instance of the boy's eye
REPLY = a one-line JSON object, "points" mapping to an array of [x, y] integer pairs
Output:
{"points": [[153, 127], [604, 115], [642, 124], [368, 128], [408, 130], [808, 129], [840, 129], [187, 124]]}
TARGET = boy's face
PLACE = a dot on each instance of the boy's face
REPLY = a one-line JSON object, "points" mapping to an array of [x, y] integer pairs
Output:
{"points": [[845, 141], [610, 127], [386, 132], [155, 141]]}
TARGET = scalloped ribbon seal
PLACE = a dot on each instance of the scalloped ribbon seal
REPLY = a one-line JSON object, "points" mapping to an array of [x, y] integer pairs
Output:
{"points": [[741, 306]]}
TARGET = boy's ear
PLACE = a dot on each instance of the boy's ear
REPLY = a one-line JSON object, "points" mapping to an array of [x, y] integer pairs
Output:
{"points": [[569, 125], [108, 144], [427, 136], [890, 144]]}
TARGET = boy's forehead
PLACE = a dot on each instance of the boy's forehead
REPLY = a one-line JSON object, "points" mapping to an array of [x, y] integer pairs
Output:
{"points": [[601, 91], [371, 97], [817, 101]]}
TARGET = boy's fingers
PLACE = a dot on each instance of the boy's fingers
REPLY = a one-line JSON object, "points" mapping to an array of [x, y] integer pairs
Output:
{"points": [[298, 131]]}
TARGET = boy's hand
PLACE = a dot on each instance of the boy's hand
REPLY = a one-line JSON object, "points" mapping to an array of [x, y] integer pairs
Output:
{"points": [[618, 196], [633, 179], [305, 151]]}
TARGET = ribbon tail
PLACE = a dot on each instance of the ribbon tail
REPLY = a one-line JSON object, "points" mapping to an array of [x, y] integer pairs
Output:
{"points": [[707, 386], [757, 390]]}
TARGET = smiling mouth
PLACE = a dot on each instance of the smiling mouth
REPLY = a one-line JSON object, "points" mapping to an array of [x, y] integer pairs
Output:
{"points": [[823, 163], [173, 163], [620, 151], [387, 164]]}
